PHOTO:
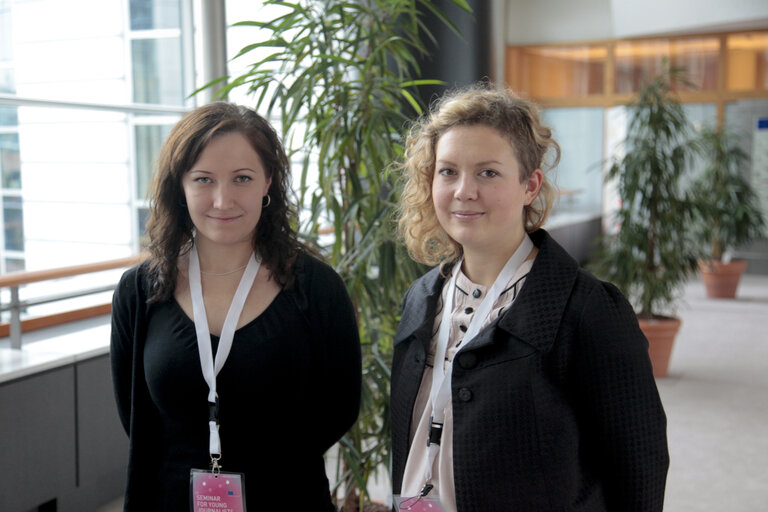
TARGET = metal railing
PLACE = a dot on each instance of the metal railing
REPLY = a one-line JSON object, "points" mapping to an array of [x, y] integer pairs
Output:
{"points": [[128, 108], [15, 280]]}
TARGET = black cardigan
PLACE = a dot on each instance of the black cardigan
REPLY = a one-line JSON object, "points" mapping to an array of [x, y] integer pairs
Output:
{"points": [[307, 403], [555, 407]]}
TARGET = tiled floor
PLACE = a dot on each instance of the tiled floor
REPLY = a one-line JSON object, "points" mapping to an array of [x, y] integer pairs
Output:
{"points": [[716, 399]]}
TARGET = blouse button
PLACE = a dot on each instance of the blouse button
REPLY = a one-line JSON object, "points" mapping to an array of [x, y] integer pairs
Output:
{"points": [[477, 293], [468, 311], [465, 395], [463, 328]]}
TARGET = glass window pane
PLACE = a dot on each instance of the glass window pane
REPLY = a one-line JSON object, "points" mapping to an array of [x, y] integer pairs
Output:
{"points": [[157, 71], [14, 223], [14, 265], [7, 84], [638, 62], [150, 14], [149, 138], [9, 116], [10, 163], [6, 32], [700, 115], [558, 72], [748, 62], [578, 177], [749, 120], [143, 216]]}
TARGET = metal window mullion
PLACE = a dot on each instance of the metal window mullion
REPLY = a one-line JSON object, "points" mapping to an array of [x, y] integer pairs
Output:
{"points": [[141, 108]]}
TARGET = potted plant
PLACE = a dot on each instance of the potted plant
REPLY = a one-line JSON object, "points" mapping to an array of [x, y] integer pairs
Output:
{"points": [[651, 254], [729, 211], [341, 79]]}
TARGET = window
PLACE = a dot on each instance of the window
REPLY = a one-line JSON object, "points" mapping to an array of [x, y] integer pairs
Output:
{"points": [[10, 166], [749, 119], [639, 61], [155, 14], [583, 90], [578, 178], [747, 62], [13, 221], [559, 72], [76, 142], [149, 138]]}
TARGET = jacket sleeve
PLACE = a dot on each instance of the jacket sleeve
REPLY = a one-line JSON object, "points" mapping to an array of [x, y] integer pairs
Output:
{"points": [[624, 417], [124, 319], [338, 364]]}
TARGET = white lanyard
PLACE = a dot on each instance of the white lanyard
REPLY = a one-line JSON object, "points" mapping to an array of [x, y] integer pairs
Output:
{"points": [[441, 378], [210, 368]]}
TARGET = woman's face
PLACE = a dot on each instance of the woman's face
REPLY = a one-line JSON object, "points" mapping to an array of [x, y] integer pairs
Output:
{"points": [[476, 189], [224, 190]]}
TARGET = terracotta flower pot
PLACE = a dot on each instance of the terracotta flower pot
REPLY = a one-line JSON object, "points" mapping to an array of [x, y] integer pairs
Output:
{"points": [[660, 333], [722, 279]]}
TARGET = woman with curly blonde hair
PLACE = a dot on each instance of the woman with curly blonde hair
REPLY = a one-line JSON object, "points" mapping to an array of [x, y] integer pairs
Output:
{"points": [[519, 381]]}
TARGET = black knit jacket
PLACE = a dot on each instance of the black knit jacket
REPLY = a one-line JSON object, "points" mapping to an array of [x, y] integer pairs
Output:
{"points": [[554, 404]]}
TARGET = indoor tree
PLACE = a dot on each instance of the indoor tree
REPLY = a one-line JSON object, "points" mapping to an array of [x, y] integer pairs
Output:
{"points": [[728, 204], [652, 253], [728, 207]]}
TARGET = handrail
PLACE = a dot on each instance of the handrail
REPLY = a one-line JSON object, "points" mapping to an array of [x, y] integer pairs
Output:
{"points": [[16, 279], [135, 108], [34, 276]]}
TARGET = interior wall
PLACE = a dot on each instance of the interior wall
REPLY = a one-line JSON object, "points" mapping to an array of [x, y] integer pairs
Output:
{"points": [[556, 21], [632, 18]]}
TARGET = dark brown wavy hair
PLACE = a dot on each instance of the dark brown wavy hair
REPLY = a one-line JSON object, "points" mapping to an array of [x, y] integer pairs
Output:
{"points": [[170, 227]]}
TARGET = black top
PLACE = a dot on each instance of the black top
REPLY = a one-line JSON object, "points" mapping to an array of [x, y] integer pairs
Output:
{"points": [[554, 403], [289, 389]]}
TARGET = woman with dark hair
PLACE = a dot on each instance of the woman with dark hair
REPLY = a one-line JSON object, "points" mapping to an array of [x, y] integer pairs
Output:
{"points": [[227, 281], [520, 382]]}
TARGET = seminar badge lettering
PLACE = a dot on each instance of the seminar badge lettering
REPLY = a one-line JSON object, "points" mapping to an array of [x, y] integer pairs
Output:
{"points": [[216, 491]]}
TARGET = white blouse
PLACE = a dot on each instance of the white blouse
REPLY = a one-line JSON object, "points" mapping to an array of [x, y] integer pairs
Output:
{"points": [[467, 299]]}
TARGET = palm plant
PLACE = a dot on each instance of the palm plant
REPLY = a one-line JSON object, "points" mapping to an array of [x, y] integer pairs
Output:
{"points": [[652, 253], [340, 78], [729, 208]]}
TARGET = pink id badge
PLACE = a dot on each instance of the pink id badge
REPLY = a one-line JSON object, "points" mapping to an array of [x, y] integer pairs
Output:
{"points": [[417, 504], [217, 491]]}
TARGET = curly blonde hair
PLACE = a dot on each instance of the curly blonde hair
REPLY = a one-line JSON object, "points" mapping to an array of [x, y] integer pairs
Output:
{"points": [[515, 118]]}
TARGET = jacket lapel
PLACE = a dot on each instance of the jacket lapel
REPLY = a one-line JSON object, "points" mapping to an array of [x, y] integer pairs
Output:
{"points": [[535, 315], [533, 318], [417, 319]]}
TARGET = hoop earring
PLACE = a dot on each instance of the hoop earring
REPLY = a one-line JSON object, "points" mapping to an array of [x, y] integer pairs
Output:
{"points": [[269, 201]]}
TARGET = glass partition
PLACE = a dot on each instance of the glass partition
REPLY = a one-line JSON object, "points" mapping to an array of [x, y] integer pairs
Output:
{"points": [[637, 62], [749, 119], [561, 72], [578, 177], [747, 59]]}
